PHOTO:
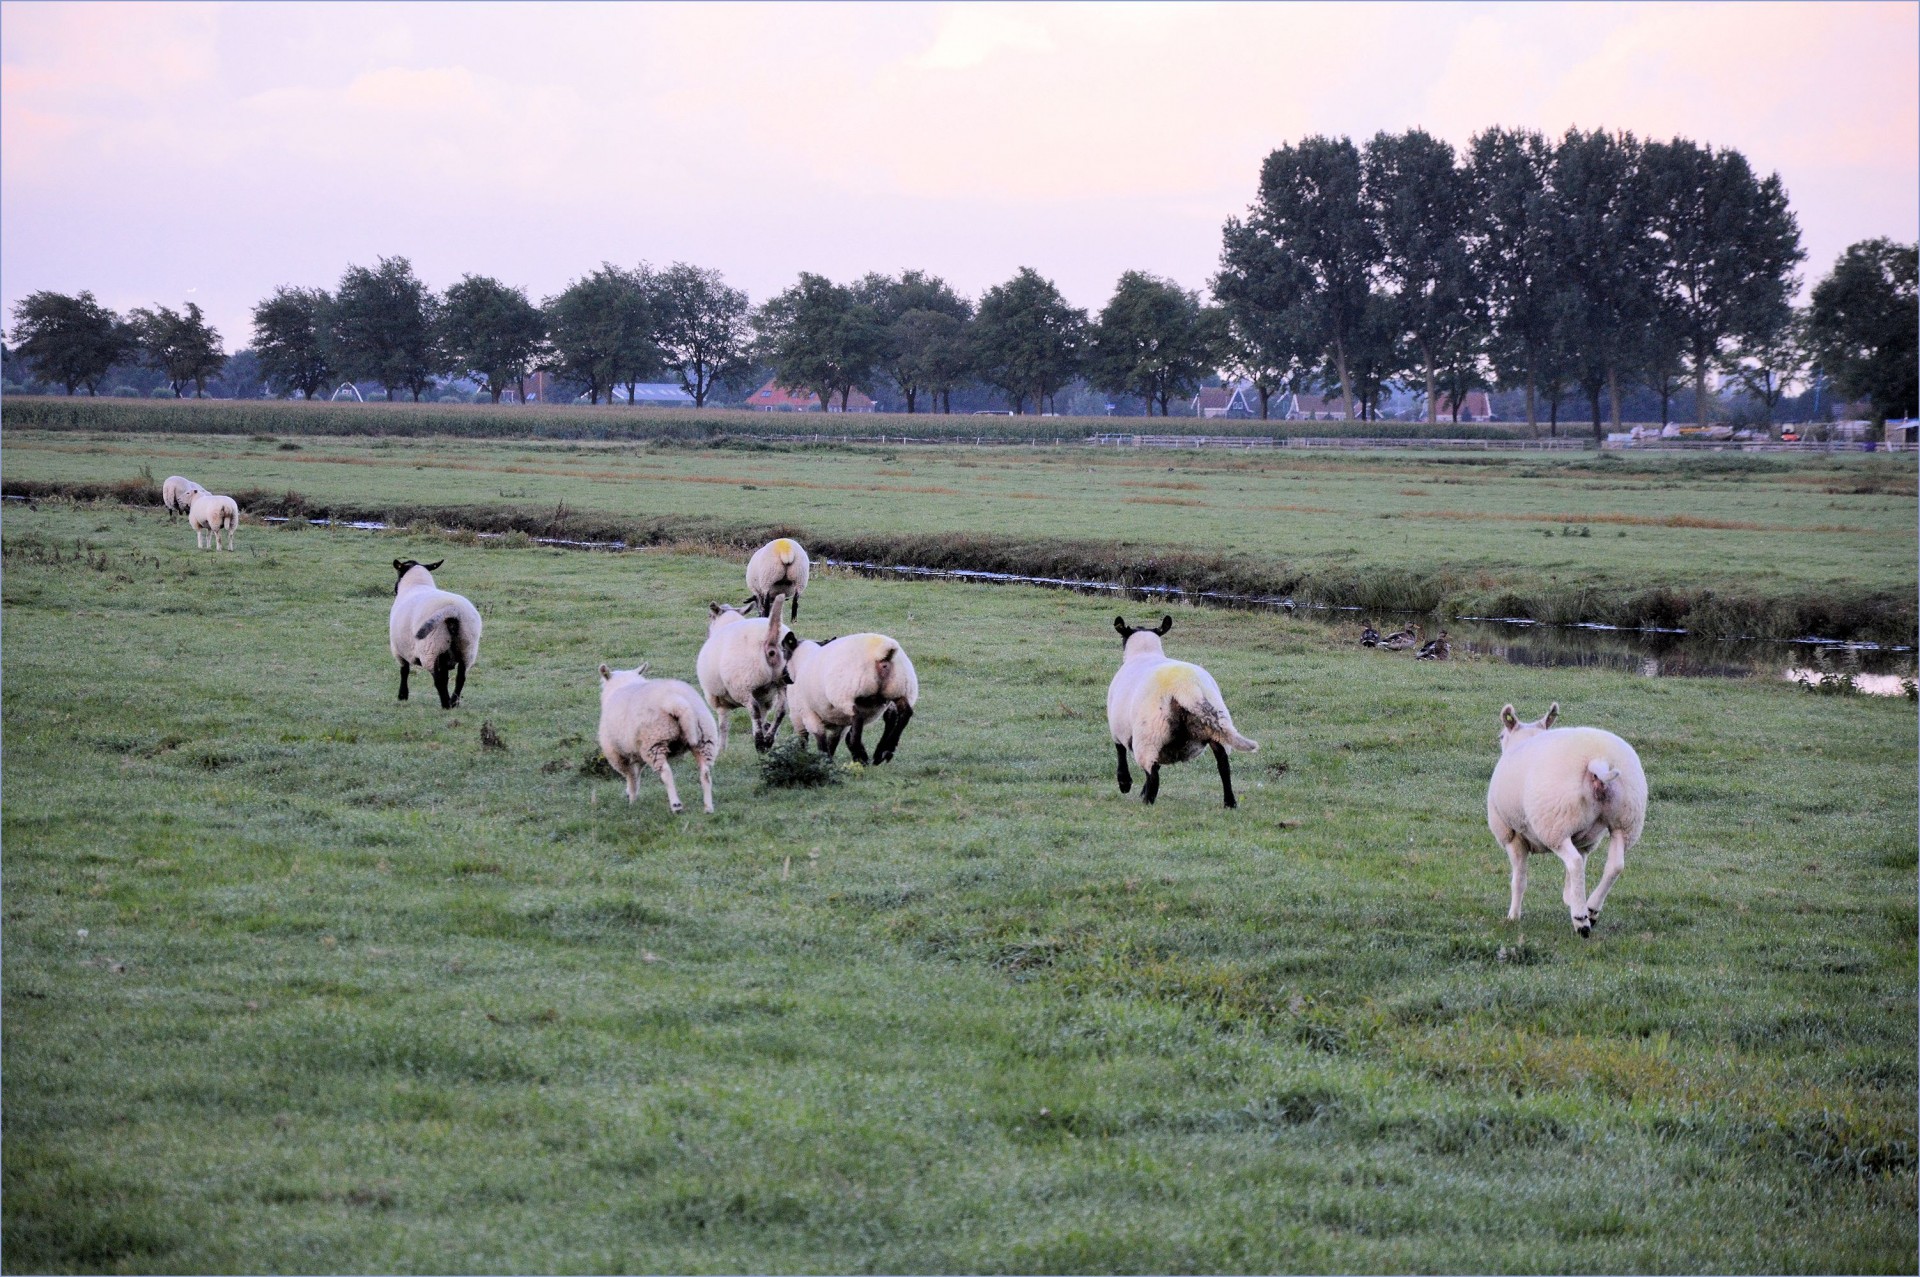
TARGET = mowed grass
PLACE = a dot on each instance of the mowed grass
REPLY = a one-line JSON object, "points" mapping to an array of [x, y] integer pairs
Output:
{"points": [[300, 978], [1722, 545]]}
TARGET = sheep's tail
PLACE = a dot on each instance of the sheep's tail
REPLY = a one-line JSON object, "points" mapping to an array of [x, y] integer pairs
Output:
{"points": [[1212, 719], [1600, 774], [1234, 740], [452, 618], [691, 730]]}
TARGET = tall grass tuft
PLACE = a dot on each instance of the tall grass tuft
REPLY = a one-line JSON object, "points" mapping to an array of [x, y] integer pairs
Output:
{"points": [[796, 765]]}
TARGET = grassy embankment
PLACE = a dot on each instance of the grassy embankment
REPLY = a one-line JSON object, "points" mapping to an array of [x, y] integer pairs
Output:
{"points": [[299, 978], [1721, 545]]}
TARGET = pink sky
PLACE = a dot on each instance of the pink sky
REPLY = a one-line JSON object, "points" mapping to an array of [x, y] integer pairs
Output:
{"points": [[209, 152]]}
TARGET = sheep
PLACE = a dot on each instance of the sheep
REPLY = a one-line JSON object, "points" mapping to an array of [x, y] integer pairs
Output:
{"points": [[741, 665], [1563, 790], [177, 494], [1166, 711], [840, 685], [208, 515], [649, 721], [778, 567], [432, 628]]}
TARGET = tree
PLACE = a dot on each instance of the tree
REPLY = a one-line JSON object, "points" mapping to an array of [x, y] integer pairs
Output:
{"points": [[1768, 362], [1418, 205], [1153, 339], [493, 332], [240, 377], [818, 334], [1262, 290], [382, 327], [1513, 240], [701, 326], [1860, 327], [1604, 227], [601, 328], [71, 340], [928, 351], [182, 346], [1727, 246], [1027, 341], [291, 336], [907, 346], [1311, 206]]}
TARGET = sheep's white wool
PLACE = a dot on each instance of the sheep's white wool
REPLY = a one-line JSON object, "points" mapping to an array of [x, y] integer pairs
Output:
{"points": [[432, 629], [177, 494], [742, 666], [1565, 790], [779, 567], [645, 722], [842, 685], [1166, 711], [209, 515]]}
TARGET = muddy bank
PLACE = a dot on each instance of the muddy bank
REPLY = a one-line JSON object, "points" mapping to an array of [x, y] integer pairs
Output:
{"points": [[1837, 613]]}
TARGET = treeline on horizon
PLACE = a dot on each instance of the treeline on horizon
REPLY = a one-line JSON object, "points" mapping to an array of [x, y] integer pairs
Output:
{"points": [[1569, 270]]}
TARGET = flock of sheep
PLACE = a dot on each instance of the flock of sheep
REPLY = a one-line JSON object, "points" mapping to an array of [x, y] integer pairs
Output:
{"points": [[1557, 790]]}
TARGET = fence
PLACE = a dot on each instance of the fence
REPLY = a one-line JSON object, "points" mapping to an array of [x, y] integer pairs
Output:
{"points": [[1334, 441]]}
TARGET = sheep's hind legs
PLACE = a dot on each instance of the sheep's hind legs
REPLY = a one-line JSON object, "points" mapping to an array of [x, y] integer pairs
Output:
{"points": [[1121, 774], [1151, 790], [666, 778], [440, 684], [459, 681], [855, 746], [403, 680], [897, 715], [1616, 861], [1575, 892], [1226, 774], [706, 782], [1517, 856]]}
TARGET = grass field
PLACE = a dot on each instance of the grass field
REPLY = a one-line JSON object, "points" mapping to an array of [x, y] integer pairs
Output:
{"points": [[297, 978], [1724, 545]]}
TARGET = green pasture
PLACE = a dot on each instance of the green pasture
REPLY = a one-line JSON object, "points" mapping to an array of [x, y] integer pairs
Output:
{"points": [[1721, 544], [299, 978]]}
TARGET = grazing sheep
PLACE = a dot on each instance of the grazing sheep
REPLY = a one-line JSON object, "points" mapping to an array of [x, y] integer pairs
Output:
{"points": [[208, 515], [1166, 711], [778, 567], [841, 685], [432, 628], [648, 721], [177, 494], [1563, 790], [742, 666]]}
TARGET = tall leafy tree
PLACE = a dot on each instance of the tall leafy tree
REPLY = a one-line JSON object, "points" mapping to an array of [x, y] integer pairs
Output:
{"points": [[491, 331], [927, 351], [291, 337], [702, 327], [1770, 361], [1262, 291], [71, 340], [1514, 241], [383, 327], [820, 335], [1312, 205], [1152, 339], [1027, 341], [1861, 326], [181, 344], [1607, 247], [1727, 248], [601, 329], [1419, 207], [907, 346]]}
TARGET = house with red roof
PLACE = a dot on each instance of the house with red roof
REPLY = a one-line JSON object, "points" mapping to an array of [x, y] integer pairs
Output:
{"points": [[776, 398]]}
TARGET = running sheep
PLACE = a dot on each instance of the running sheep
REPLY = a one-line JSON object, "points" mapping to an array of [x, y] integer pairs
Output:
{"points": [[742, 666], [432, 629], [839, 686], [778, 567], [177, 494], [1564, 790], [647, 721], [209, 515], [1166, 711]]}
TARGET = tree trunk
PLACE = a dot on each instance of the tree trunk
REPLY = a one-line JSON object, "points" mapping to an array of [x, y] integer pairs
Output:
{"points": [[493, 387], [1265, 394], [1533, 412], [1346, 382], [1433, 393], [1613, 395], [1700, 383], [1666, 400], [912, 394], [1553, 422]]}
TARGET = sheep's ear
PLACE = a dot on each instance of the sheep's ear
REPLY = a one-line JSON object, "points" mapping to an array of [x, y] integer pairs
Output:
{"points": [[1120, 624], [1509, 719], [605, 673], [714, 609], [1553, 712], [788, 642], [434, 566], [401, 566], [1166, 623], [641, 669]]}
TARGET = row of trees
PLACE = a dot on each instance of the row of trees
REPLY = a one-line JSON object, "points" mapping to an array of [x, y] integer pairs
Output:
{"points": [[73, 341]]}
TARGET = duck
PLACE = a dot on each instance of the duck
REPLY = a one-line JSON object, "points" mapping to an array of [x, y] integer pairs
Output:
{"points": [[1369, 637], [1435, 649], [1401, 640]]}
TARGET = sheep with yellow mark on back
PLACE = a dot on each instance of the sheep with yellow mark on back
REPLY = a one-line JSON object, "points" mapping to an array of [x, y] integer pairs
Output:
{"points": [[778, 567], [843, 684], [1166, 711]]}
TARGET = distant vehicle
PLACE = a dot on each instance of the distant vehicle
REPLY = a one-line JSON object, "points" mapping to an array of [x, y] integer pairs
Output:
{"points": [[1789, 435], [990, 412]]}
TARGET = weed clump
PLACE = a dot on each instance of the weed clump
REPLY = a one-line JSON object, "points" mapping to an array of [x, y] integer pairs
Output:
{"points": [[794, 765]]}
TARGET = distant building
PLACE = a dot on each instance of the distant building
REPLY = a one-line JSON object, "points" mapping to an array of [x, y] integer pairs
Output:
{"points": [[776, 398], [1225, 401], [664, 394], [1291, 405], [1475, 407]]}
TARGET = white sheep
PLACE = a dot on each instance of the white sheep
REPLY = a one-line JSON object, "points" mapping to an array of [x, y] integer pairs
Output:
{"points": [[177, 494], [648, 721], [1166, 711], [778, 567], [432, 629], [1563, 790], [843, 684], [741, 665], [208, 515]]}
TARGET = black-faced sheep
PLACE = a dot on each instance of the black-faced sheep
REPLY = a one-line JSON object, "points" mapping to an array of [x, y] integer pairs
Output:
{"points": [[742, 666], [1166, 711], [843, 684], [433, 629], [177, 494], [647, 721], [1564, 790], [209, 515], [778, 567]]}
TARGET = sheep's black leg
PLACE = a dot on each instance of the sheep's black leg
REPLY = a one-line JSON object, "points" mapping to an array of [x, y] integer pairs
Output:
{"points": [[896, 715], [1226, 774], [1121, 773], [1152, 789], [796, 608], [440, 685], [403, 680], [459, 680], [829, 742], [855, 746]]}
